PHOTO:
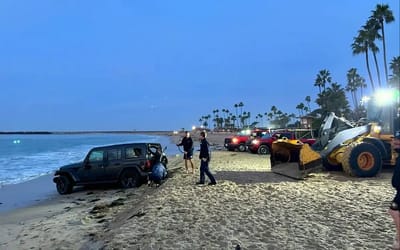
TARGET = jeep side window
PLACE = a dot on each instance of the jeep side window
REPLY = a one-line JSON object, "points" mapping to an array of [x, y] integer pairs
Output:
{"points": [[138, 152], [114, 154], [133, 152], [96, 156], [129, 153]]}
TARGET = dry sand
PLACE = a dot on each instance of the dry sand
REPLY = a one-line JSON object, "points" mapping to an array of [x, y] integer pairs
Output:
{"points": [[250, 207]]}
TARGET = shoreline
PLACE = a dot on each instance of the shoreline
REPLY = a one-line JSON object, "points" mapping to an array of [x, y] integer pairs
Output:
{"points": [[25, 194], [41, 189]]}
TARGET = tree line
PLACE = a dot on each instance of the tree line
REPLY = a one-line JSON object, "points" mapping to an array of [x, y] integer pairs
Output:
{"points": [[331, 95]]}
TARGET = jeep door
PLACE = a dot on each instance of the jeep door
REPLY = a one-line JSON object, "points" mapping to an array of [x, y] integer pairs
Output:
{"points": [[114, 163], [93, 169]]}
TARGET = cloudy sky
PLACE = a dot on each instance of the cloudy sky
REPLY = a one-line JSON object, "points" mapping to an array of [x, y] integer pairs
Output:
{"points": [[161, 65]]}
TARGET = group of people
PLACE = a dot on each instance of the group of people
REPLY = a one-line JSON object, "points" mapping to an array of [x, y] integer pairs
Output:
{"points": [[159, 172], [204, 156]]}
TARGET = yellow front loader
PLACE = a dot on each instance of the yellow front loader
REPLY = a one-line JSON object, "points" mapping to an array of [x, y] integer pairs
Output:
{"points": [[359, 149]]}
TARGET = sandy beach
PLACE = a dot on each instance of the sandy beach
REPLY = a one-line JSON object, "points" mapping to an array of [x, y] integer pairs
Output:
{"points": [[250, 207]]}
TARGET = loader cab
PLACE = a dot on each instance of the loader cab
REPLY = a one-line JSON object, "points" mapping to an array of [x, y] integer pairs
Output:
{"points": [[382, 113]]}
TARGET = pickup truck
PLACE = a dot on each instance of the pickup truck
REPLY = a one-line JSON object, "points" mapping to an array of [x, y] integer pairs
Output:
{"points": [[240, 140], [263, 145]]}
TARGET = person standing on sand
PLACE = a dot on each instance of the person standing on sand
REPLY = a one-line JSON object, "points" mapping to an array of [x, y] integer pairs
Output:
{"points": [[204, 160], [394, 209], [187, 144]]}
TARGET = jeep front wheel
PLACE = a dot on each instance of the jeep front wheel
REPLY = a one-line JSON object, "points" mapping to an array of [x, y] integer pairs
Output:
{"points": [[64, 185], [129, 179]]}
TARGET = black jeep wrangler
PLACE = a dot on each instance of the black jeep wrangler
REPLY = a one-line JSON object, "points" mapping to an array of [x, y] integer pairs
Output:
{"points": [[126, 164]]}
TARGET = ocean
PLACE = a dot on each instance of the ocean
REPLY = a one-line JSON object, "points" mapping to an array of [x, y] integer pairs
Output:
{"points": [[26, 157]]}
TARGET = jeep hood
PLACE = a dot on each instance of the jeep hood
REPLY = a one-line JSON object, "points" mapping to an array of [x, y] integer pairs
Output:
{"points": [[71, 166]]}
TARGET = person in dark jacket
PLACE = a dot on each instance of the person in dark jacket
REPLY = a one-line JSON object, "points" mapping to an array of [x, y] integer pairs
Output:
{"points": [[187, 144], [394, 209], [204, 160]]}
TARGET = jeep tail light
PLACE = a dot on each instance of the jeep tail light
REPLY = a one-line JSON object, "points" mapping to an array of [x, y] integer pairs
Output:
{"points": [[235, 140], [147, 165]]}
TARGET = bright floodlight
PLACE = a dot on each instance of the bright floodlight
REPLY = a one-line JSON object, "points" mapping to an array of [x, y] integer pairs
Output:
{"points": [[384, 97], [193, 127]]}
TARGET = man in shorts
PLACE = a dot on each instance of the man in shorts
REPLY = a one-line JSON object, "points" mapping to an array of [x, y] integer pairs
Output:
{"points": [[187, 144]]}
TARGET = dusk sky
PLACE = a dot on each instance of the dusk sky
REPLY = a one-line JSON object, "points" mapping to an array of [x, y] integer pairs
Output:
{"points": [[161, 65]]}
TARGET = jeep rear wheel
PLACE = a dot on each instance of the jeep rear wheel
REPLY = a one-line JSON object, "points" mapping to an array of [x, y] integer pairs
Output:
{"points": [[64, 185], [263, 150], [129, 179]]}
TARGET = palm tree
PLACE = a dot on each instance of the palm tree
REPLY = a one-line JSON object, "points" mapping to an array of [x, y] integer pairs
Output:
{"points": [[352, 85], [236, 110], [395, 67], [383, 14], [243, 119], [207, 117], [300, 108], [308, 100], [234, 120], [323, 77], [259, 119], [227, 113], [240, 105], [360, 45], [274, 109], [215, 114], [371, 29], [361, 85], [223, 113], [336, 100]]}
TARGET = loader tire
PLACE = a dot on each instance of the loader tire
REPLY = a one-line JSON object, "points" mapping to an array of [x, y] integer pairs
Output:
{"points": [[329, 166], [362, 160]]}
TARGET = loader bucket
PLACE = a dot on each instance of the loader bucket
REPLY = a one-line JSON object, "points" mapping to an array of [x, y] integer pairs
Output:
{"points": [[294, 159]]}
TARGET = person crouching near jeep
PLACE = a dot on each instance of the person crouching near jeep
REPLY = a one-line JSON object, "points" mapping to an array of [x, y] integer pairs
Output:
{"points": [[158, 174], [158, 171]]}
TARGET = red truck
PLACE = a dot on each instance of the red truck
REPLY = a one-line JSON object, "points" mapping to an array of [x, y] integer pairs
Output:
{"points": [[240, 140], [263, 145]]}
